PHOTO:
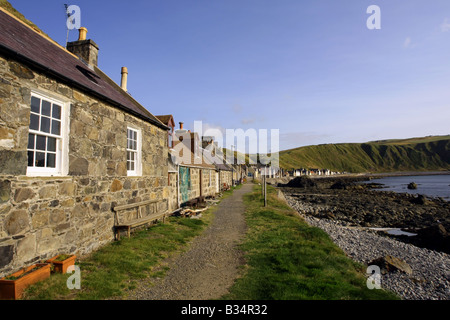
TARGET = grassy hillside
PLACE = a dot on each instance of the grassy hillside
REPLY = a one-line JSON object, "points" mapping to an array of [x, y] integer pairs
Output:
{"points": [[416, 154]]}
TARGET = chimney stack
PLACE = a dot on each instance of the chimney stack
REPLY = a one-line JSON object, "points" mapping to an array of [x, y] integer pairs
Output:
{"points": [[86, 50], [124, 80]]}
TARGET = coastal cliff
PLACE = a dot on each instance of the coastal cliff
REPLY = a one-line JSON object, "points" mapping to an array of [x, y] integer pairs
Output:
{"points": [[417, 154]]}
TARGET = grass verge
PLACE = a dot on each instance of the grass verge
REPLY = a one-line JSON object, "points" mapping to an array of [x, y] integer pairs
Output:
{"points": [[113, 270], [289, 260]]}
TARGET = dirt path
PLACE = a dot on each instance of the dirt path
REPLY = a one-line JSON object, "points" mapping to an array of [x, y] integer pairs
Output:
{"points": [[210, 266]]}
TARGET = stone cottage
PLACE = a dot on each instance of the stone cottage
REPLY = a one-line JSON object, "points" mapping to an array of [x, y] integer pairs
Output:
{"points": [[172, 176], [197, 176], [73, 145]]}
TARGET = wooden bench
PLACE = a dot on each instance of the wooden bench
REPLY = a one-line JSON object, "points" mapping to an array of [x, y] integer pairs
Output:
{"points": [[140, 220]]}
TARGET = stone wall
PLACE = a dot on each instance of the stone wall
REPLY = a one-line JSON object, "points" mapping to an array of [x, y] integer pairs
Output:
{"points": [[208, 185], [226, 177], [173, 191], [41, 217], [194, 190]]}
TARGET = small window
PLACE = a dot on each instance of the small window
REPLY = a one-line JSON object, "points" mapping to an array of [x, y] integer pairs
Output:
{"points": [[133, 152], [170, 141], [45, 138]]}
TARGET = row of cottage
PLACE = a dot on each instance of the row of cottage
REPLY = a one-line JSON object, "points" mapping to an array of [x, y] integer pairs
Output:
{"points": [[312, 172], [74, 145]]}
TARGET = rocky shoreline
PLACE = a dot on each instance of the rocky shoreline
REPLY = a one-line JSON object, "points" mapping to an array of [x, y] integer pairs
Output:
{"points": [[349, 212], [360, 205]]}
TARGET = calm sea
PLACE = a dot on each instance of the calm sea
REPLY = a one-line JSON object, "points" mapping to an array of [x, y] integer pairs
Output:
{"points": [[432, 185]]}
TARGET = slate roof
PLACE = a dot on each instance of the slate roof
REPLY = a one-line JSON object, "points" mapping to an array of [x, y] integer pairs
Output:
{"points": [[166, 119], [19, 42]]}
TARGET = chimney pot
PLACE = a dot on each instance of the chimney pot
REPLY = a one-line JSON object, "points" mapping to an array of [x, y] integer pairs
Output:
{"points": [[124, 80], [82, 34], [181, 125]]}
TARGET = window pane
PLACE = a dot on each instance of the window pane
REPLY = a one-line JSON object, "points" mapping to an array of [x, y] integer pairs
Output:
{"points": [[46, 108], [35, 105], [51, 144], [131, 166], [34, 122], [40, 159], [128, 165], [51, 160], [40, 143], [56, 114], [56, 127], [30, 158], [134, 145], [132, 156], [31, 141], [45, 124]]}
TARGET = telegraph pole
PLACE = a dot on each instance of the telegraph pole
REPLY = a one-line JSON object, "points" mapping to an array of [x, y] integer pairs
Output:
{"points": [[265, 187]]}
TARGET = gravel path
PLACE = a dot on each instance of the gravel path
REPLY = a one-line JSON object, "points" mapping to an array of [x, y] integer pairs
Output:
{"points": [[430, 279], [211, 264]]}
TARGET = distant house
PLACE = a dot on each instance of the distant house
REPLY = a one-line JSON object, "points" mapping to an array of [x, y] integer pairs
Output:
{"points": [[73, 145], [170, 123], [197, 177]]}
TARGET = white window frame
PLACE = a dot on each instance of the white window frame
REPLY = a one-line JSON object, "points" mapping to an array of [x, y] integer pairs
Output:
{"points": [[138, 161], [62, 141]]}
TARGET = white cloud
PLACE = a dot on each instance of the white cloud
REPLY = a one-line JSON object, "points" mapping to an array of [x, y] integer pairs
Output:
{"points": [[445, 26], [237, 108], [407, 43], [247, 121]]}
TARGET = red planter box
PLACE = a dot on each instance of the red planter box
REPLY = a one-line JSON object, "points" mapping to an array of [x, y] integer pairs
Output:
{"points": [[13, 289], [61, 266]]}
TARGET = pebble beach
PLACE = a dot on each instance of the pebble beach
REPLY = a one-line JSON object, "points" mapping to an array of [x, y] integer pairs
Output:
{"points": [[430, 279]]}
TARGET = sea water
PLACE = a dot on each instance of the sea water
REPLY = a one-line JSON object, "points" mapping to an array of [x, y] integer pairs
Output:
{"points": [[428, 185]]}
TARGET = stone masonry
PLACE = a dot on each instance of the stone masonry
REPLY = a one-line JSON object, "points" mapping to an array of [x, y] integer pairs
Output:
{"points": [[41, 217]]}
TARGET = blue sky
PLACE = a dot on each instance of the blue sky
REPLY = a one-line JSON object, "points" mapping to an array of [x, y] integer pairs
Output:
{"points": [[311, 69]]}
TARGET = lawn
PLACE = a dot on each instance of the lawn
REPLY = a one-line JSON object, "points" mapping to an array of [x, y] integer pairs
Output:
{"points": [[289, 260], [115, 268]]}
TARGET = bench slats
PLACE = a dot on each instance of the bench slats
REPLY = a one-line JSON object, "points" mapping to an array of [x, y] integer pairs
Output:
{"points": [[140, 220], [134, 205]]}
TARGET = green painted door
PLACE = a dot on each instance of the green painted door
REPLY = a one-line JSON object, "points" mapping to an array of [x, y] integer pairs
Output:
{"points": [[185, 181]]}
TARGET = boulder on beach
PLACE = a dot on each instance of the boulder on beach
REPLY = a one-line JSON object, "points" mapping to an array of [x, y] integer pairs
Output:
{"points": [[420, 199], [301, 182], [412, 186], [391, 264], [435, 237], [341, 185]]}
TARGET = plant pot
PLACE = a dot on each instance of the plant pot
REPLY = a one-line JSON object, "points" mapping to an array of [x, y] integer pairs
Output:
{"points": [[61, 266], [13, 289]]}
